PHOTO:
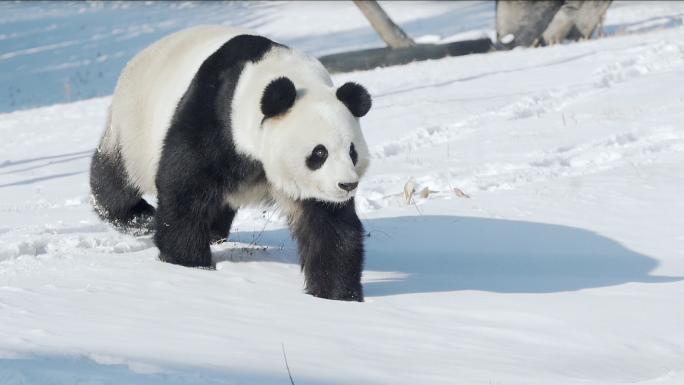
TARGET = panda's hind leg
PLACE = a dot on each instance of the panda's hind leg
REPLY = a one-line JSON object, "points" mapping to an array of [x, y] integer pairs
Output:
{"points": [[115, 200]]}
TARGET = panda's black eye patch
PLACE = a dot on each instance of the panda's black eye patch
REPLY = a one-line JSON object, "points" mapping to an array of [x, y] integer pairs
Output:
{"points": [[353, 154], [317, 157]]}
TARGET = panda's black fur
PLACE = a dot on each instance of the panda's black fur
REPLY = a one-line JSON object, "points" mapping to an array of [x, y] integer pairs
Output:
{"points": [[200, 164], [199, 161], [116, 200]]}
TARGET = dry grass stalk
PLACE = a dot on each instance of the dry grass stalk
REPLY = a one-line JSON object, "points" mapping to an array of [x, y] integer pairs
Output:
{"points": [[408, 191], [424, 193], [460, 193]]}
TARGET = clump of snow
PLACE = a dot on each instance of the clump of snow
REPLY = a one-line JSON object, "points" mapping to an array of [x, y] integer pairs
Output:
{"points": [[508, 38]]}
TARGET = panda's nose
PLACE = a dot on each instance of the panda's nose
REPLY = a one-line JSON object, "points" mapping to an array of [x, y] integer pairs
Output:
{"points": [[348, 186]]}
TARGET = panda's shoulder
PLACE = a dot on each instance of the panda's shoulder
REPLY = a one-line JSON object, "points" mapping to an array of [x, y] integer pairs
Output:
{"points": [[278, 60], [239, 51]]}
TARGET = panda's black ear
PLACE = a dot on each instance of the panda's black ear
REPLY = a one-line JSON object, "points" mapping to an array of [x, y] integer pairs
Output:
{"points": [[279, 95], [356, 98]]}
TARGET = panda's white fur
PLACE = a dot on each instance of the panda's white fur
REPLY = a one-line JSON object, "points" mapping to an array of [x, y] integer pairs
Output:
{"points": [[317, 117], [155, 80], [213, 118]]}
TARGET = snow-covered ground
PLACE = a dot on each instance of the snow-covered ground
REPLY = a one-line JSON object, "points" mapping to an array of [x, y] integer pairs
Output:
{"points": [[55, 52], [565, 265]]}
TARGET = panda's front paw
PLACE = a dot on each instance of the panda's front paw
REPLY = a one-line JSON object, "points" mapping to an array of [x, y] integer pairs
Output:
{"points": [[349, 295], [352, 297], [201, 263]]}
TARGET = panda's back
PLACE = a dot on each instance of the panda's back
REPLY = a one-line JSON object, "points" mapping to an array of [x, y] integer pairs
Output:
{"points": [[148, 92]]}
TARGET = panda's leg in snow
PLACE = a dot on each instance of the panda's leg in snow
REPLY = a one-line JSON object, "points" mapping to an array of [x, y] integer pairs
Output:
{"points": [[189, 201], [330, 242], [184, 222], [220, 227], [115, 200]]}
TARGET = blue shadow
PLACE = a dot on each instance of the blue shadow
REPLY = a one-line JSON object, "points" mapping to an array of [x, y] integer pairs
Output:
{"points": [[56, 52], [654, 23], [446, 253], [51, 159], [69, 370], [41, 179]]}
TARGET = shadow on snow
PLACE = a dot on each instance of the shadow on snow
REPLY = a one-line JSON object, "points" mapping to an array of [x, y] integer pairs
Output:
{"points": [[68, 370], [54, 159], [41, 179], [445, 253]]}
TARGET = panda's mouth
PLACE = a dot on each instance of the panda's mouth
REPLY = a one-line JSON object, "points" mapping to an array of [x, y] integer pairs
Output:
{"points": [[338, 196], [334, 193]]}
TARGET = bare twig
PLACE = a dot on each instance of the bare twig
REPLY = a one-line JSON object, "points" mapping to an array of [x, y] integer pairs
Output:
{"points": [[286, 365], [254, 241], [414, 204], [364, 217], [380, 231], [219, 241], [636, 169]]}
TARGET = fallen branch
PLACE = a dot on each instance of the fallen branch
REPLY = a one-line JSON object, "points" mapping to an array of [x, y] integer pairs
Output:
{"points": [[386, 57]]}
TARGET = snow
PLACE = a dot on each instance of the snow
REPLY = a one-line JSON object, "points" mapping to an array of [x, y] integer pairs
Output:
{"points": [[56, 52], [565, 265]]}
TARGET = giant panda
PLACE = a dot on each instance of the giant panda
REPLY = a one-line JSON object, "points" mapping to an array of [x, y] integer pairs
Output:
{"points": [[213, 118]]}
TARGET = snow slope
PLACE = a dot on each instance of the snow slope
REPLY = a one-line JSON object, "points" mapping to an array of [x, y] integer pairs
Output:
{"points": [[565, 265], [55, 51]]}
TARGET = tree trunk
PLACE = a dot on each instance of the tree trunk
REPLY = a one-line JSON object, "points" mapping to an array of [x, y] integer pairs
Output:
{"points": [[388, 31], [575, 20], [521, 23]]}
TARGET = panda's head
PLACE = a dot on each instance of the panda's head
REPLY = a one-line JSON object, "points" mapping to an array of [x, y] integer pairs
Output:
{"points": [[312, 145]]}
